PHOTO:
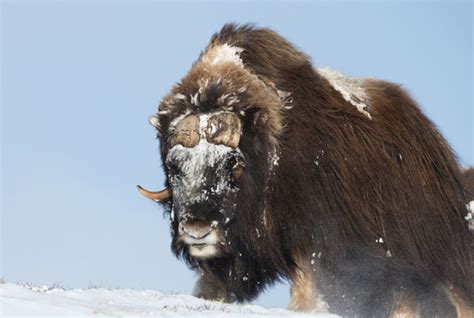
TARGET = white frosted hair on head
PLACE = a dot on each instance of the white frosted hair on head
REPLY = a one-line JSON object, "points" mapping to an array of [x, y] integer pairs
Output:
{"points": [[223, 53], [193, 163]]}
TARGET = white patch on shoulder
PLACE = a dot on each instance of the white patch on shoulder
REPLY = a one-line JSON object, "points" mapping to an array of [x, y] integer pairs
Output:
{"points": [[221, 54], [351, 88]]}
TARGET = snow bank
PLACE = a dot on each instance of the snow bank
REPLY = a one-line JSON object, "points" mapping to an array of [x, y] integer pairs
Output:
{"points": [[16, 301]]}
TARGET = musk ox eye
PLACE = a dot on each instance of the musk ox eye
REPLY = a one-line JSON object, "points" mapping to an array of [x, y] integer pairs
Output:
{"points": [[237, 172], [231, 162], [236, 165]]}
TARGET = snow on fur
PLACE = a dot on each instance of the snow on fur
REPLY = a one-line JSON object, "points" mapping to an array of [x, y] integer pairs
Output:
{"points": [[195, 160], [27, 301], [350, 88], [223, 54], [470, 215]]}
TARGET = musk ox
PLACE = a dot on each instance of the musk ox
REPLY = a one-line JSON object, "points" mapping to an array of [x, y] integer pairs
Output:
{"points": [[278, 170]]}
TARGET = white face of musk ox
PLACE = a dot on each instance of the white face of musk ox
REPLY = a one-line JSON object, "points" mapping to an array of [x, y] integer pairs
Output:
{"points": [[204, 164]]}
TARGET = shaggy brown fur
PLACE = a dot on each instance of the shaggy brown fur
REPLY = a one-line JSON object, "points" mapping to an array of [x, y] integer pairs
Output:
{"points": [[379, 200], [468, 179]]}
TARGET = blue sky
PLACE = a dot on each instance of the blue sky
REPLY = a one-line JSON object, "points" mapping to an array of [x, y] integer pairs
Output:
{"points": [[80, 78]]}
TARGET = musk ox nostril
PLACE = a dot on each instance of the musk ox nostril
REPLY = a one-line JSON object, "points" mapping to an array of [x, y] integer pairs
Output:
{"points": [[196, 231]]}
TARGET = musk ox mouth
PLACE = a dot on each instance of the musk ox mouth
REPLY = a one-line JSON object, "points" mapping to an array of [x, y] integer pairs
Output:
{"points": [[202, 243]]}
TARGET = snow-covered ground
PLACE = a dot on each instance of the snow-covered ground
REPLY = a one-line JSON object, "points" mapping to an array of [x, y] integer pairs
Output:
{"points": [[27, 301]]}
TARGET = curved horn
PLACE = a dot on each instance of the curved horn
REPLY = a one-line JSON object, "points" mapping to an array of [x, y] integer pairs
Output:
{"points": [[224, 129], [186, 132], [162, 195]]}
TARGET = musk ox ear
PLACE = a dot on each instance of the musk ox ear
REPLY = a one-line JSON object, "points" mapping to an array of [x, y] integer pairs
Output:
{"points": [[260, 118], [237, 171], [153, 120]]}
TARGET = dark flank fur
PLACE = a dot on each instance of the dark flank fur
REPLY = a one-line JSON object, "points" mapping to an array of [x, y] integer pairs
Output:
{"points": [[393, 177]]}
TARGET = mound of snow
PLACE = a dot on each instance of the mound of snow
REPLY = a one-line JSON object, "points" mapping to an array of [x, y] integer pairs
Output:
{"points": [[30, 301]]}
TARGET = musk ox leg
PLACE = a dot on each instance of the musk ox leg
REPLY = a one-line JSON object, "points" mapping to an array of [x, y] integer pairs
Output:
{"points": [[305, 295], [463, 310], [404, 306], [210, 288]]}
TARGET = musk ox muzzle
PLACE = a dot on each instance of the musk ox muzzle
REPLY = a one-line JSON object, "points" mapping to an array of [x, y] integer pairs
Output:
{"points": [[203, 239]]}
